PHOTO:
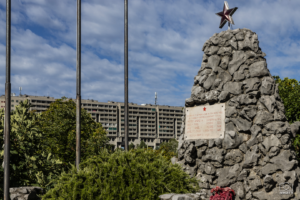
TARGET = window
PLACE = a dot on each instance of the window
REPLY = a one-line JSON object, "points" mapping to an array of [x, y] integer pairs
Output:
{"points": [[17, 101], [12, 100], [12, 105]]}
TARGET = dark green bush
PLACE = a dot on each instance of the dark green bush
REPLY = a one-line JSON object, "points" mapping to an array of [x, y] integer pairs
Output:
{"points": [[137, 174]]}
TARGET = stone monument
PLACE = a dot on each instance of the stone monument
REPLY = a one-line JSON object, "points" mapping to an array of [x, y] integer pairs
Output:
{"points": [[255, 157]]}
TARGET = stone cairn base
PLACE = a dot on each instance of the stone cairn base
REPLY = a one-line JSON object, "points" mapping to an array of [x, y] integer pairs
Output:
{"points": [[256, 157], [25, 193]]}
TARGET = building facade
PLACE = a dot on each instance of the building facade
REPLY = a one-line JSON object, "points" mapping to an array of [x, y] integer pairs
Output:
{"points": [[152, 124]]}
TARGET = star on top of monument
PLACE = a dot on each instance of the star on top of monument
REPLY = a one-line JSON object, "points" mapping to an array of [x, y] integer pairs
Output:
{"points": [[226, 15]]}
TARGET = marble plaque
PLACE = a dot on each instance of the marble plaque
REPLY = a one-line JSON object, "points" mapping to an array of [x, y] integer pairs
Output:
{"points": [[205, 122]]}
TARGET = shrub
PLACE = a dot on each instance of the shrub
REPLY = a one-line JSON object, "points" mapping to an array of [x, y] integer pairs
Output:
{"points": [[137, 174], [168, 149]]}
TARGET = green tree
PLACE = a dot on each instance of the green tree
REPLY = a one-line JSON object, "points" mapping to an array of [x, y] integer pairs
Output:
{"points": [[168, 149], [131, 146], [30, 163], [58, 124], [289, 91], [138, 174], [142, 145]]}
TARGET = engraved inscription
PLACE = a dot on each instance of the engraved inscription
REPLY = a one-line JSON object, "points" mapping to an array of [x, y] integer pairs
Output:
{"points": [[205, 122]]}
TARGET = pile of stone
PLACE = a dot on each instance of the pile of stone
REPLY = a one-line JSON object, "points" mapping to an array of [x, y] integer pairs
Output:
{"points": [[25, 193], [255, 157]]}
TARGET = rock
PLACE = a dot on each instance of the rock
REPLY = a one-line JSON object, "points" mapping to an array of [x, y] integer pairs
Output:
{"points": [[239, 190], [261, 195], [279, 116], [243, 175], [224, 51], [263, 117], [211, 143], [26, 193], [224, 96], [230, 111], [217, 40], [259, 69], [214, 154], [255, 184], [189, 102], [251, 158], [191, 170], [211, 50], [166, 196], [283, 160], [238, 58], [240, 36], [209, 81], [271, 141], [233, 157], [274, 151], [209, 169], [205, 72], [255, 130], [205, 180], [248, 195], [276, 128], [269, 169], [251, 84], [227, 176], [295, 127], [224, 76], [190, 154], [224, 62], [250, 111], [200, 143], [196, 91], [243, 148], [174, 160], [185, 197], [213, 62], [233, 87], [230, 142], [247, 43], [204, 58], [242, 124], [262, 149], [267, 86], [201, 151], [212, 96], [269, 102], [250, 98], [241, 74], [284, 139]]}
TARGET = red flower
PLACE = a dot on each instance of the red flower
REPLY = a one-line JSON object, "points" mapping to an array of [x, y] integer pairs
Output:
{"points": [[222, 193]]}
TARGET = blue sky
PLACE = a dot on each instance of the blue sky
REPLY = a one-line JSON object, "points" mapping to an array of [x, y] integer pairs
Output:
{"points": [[165, 42]]}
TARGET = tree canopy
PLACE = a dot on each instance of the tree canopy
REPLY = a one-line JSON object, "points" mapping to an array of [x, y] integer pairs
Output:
{"points": [[58, 124], [289, 91]]}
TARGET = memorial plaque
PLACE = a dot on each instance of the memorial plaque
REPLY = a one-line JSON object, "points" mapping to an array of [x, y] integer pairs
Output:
{"points": [[205, 122]]}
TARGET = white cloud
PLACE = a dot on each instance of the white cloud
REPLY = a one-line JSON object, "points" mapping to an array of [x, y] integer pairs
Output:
{"points": [[165, 42]]}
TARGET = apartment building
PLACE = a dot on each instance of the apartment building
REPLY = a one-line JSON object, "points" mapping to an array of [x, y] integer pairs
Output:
{"points": [[152, 124]]}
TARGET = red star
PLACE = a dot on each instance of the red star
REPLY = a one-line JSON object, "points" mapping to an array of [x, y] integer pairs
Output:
{"points": [[226, 14], [204, 109]]}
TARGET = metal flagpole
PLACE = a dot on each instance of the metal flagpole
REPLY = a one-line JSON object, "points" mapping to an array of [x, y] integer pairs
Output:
{"points": [[7, 101], [126, 72], [78, 84]]}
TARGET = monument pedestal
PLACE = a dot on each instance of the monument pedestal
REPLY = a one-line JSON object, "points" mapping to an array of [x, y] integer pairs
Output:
{"points": [[255, 156]]}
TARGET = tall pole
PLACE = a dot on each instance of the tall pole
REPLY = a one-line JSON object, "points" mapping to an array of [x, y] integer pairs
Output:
{"points": [[126, 71], [78, 84], [7, 102]]}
